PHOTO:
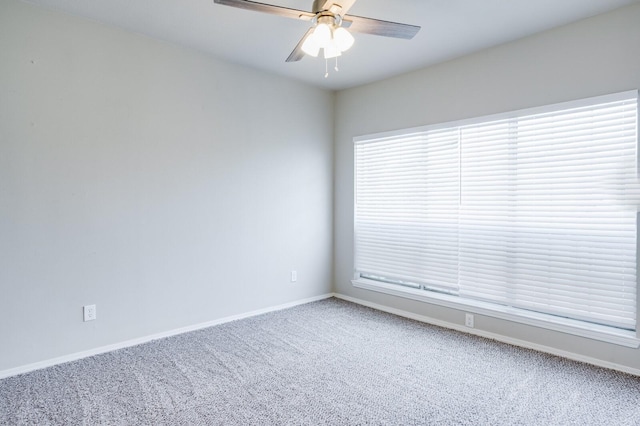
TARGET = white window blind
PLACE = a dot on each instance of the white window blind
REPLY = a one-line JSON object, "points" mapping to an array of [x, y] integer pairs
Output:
{"points": [[408, 194], [515, 210]]}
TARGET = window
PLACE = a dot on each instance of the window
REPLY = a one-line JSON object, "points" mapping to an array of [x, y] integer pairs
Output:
{"points": [[520, 210]]}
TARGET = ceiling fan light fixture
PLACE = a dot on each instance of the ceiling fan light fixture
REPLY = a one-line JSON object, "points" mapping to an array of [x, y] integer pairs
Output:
{"points": [[344, 40]]}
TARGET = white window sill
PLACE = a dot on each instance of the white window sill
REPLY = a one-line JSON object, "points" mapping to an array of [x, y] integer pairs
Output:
{"points": [[577, 328]]}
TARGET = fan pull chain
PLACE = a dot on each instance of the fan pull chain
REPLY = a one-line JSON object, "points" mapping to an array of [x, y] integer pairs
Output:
{"points": [[326, 67]]}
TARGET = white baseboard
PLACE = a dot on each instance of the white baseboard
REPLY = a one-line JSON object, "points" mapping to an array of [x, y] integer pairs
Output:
{"points": [[494, 336], [133, 342]]}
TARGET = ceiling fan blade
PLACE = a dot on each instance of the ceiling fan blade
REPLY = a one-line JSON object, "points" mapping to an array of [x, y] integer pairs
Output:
{"points": [[339, 7], [297, 53], [359, 24], [267, 8]]}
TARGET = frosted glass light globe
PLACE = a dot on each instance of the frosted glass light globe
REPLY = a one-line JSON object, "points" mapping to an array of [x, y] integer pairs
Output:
{"points": [[331, 50], [344, 40], [311, 46], [322, 34]]}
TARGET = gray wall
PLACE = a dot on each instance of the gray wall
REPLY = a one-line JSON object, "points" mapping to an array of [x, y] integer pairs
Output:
{"points": [[592, 57], [164, 186]]}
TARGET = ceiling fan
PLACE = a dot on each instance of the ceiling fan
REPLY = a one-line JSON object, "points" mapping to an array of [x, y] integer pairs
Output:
{"points": [[330, 20]]}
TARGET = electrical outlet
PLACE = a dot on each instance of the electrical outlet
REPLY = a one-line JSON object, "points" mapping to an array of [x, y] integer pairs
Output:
{"points": [[468, 320], [294, 276], [89, 312]]}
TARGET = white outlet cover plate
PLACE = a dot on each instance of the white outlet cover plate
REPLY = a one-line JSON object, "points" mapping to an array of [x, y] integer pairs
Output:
{"points": [[468, 320], [89, 312]]}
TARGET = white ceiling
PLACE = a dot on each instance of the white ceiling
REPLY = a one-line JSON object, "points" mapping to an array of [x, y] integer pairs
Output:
{"points": [[450, 28]]}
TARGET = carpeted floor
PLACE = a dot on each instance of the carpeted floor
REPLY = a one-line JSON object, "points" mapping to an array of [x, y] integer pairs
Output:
{"points": [[328, 362]]}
